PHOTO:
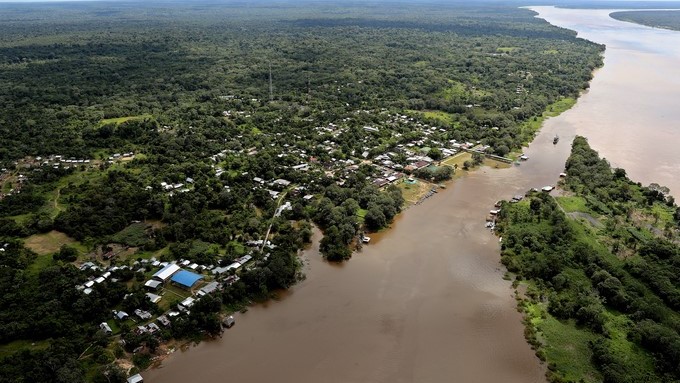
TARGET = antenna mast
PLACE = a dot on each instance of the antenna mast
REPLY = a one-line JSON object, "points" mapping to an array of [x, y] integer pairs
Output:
{"points": [[271, 87]]}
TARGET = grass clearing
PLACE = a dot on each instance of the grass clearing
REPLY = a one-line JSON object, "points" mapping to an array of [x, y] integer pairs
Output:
{"points": [[10, 348], [530, 127], [120, 120], [458, 159], [573, 204], [133, 235], [412, 192], [455, 90], [438, 115], [361, 214], [507, 49], [51, 242], [567, 346]]}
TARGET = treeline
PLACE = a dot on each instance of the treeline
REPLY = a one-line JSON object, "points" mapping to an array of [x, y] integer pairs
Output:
{"points": [[656, 19], [337, 213], [628, 305]]}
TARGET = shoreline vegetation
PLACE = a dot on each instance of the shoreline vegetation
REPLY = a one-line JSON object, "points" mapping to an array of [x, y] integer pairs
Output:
{"points": [[216, 173], [656, 19], [595, 272]]}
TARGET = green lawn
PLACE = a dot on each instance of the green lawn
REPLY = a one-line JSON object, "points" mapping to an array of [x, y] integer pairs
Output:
{"points": [[361, 213], [530, 127], [572, 204]]}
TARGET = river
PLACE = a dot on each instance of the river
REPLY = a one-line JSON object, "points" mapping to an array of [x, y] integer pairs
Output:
{"points": [[426, 301]]}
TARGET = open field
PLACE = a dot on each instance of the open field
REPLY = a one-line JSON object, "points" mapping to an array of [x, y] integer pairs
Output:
{"points": [[51, 242], [458, 159], [120, 120], [414, 192], [530, 127]]}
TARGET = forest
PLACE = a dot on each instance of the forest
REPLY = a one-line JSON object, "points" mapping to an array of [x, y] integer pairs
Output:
{"points": [[215, 136], [656, 19], [598, 268]]}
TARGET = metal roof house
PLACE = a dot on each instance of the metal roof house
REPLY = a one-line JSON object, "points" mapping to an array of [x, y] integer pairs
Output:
{"points": [[152, 284], [135, 379], [165, 273], [186, 279], [209, 288]]}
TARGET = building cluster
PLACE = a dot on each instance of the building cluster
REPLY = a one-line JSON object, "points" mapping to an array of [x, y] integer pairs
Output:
{"points": [[195, 280]]}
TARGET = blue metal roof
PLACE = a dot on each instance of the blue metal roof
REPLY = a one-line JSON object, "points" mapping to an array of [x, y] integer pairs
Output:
{"points": [[186, 278]]}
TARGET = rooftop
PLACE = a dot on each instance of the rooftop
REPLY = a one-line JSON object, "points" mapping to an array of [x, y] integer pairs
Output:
{"points": [[186, 278]]}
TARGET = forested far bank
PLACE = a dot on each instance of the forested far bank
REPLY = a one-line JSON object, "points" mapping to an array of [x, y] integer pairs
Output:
{"points": [[162, 164], [658, 19], [597, 270]]}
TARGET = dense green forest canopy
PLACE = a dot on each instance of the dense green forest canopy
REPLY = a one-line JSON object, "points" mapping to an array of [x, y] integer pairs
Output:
{"points": [[656, 19], [600, 264], [213, 134]]}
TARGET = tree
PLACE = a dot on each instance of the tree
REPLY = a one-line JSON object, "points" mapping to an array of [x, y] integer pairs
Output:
{"points": [[435, 154], [375, 219], [66, 253]]}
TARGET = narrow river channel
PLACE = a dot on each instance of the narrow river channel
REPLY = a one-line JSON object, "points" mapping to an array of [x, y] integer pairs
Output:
{"points": [[426, 301]]}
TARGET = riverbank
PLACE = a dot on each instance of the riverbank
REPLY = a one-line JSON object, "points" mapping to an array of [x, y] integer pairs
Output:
{"points": [[438, 307], [474, 300], [588, 280]]}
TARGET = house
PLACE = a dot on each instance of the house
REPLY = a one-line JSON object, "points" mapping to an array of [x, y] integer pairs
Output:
{"points": [[209, 288], [153, 285], [187, 303], [281, 182], [244, 259], [273, 194], [135, 379], [163, 320], [106, 328], [152, 327], [143, 314], [165, 273], [185, 279], [120, 315], [222, 270], [153, 297], [420, 164]]}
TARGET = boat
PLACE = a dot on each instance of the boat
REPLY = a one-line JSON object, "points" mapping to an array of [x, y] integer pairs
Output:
{"points": [[228, 321], [557, 138], [365, 239], [547, 188]]}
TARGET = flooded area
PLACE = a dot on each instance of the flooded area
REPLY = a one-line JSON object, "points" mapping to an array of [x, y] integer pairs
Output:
{"points": [[426, 301]]}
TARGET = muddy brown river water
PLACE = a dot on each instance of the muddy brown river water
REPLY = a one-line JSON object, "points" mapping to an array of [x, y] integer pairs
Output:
{"points": [[425, 301]]}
